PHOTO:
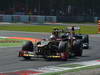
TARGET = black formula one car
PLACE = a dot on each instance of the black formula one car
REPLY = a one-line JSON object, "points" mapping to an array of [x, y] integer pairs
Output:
{"points": [[84, 37], [62, 48], [46, 49], [85, 40]]}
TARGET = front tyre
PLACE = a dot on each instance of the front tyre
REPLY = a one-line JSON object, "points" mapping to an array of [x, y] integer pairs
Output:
{"points": [[27, 58]]}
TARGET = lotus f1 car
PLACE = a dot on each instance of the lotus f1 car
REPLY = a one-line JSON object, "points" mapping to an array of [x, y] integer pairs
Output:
{"points": [[46, 49], [64, 47]]}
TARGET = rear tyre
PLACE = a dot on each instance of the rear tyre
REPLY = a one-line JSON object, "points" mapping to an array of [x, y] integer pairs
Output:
{"points": [[86, 40], [86, 47], [62, 48], [28, 46], [78, 48]]}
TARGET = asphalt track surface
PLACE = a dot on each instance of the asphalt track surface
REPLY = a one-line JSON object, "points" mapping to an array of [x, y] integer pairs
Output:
{"points": [[9, 60]]}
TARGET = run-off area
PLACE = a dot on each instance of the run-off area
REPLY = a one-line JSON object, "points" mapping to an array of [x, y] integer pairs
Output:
{"points": [[7, 42]]}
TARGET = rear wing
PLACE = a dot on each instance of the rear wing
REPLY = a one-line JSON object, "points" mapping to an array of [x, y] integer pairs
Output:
{"points": [[76, 28]]}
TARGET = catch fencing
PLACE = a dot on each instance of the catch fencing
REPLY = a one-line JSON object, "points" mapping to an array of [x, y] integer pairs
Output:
{"points": [[46, 19], [27, 18]]}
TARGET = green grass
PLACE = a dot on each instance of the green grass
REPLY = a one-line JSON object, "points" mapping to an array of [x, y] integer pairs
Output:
{"points": [[84, 29], [11, 42], [89, 29]]}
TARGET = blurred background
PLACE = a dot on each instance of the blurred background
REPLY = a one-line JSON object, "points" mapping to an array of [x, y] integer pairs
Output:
{"points": [[63, 10]]}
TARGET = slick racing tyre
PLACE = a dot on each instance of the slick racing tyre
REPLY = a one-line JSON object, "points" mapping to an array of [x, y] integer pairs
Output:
{"points": [[62, 46], [86, 38], [85, 41], [63, 50], [27, 58], [28, 46], [78, 50]]}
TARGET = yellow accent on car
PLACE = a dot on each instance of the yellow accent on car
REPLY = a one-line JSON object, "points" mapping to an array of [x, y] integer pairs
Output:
{"points": [[54, 56], [31, 55], [28, 55]]}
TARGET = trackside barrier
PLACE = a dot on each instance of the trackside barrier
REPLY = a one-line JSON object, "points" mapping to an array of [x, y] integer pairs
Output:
{"points": [[1, 18], [7, 18], [24, 19], [16, 18], [37, 19], [50, 19], [76, 19], [98, 26], [27, 18]]}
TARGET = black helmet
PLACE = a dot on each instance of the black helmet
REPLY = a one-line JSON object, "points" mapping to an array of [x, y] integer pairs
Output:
{"points": [[64, 37], [55, 29]]}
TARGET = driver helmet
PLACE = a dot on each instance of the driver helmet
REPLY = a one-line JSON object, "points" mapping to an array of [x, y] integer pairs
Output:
{"points": [[52, 37], [73, 29], [55, 32]]}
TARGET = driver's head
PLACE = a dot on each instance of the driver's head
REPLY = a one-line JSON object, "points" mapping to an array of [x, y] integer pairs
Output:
{"points": [[55, 28], [52, 37], [64, 37], [55, 31], [73, 29]]}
